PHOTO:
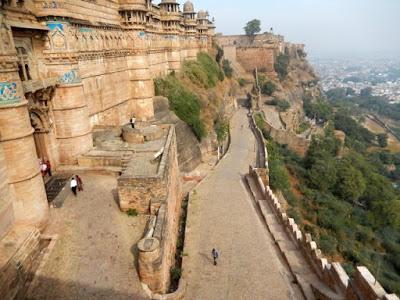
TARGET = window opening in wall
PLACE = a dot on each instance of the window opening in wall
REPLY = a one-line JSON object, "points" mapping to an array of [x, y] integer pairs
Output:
{"points": [[23, 64]]}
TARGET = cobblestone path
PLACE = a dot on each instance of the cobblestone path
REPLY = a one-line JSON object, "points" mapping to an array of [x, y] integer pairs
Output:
{"points": [[93, 256], [222, 215]]}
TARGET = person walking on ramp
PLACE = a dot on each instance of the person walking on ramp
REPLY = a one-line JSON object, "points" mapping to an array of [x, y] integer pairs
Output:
{"points": [[74, 185], [215, 255]]}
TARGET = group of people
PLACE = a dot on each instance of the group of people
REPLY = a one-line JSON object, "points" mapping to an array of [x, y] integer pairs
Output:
{"points": [[45, 167], [76, 185]]}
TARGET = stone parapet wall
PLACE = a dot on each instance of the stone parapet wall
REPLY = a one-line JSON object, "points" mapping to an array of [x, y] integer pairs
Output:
{"points": [[262, 155], [245, 41], [362, 286], [146, 193], [156, 260]]}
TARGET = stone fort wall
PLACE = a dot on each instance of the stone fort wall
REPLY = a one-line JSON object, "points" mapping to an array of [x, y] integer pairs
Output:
{"points": [[69, 65], [258, 52]]}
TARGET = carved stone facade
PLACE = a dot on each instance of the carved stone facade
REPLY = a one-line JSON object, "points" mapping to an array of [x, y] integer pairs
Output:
{"points": [[69, 65]]}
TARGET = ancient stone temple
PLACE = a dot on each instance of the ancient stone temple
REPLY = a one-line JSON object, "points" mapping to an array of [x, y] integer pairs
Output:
{"points": [[67, 66]]}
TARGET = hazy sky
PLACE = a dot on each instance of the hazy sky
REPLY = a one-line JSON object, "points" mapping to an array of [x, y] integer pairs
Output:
{"points": [[326, 26]]}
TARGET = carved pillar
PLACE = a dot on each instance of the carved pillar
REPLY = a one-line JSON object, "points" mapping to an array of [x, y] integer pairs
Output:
{"points": [[21, 163]]}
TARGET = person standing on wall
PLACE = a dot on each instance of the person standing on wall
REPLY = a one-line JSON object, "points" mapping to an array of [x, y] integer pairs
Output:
{"points": [[132, 121], [74, 185]]}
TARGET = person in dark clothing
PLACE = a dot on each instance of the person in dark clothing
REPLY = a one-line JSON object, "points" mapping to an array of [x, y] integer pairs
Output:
{"points": [[215, 255], [80, 183], [48, 167]]}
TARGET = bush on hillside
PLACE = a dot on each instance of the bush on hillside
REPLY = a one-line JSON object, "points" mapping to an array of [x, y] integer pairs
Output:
{"points": [[268, 88], [204, 72], [221, 128], [183, 102], [242, 82]]}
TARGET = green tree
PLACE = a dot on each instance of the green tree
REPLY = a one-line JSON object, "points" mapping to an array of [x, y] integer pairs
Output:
{"points": [[336, 93], [378, 189], [350, 92], [252, 28], [278, 175], [326, 167], [350, 184], [226, 66], [281, 65], [366, 92], [320, 110], [382, 140], [220, 54]]}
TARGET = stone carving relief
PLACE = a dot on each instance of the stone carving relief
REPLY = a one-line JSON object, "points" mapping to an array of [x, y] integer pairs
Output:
{"points": [[57, 36], [8, 92], [71, 77]]}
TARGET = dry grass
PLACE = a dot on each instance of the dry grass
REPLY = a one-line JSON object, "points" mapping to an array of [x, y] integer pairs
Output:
{"points": [[393, 142]]}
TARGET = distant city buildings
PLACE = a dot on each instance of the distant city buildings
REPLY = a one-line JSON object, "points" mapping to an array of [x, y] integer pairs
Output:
{"points": [[382, 76]]}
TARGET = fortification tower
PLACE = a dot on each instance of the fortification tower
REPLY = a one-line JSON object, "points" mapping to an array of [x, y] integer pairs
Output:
{"points": [[69, 104], [171, 21], [19, 158], [135, 16], [202, 28], [190, 24]]}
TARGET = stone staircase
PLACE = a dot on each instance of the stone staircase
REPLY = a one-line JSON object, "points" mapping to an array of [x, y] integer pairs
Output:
{"points": [[55, 185], [126, 158]]}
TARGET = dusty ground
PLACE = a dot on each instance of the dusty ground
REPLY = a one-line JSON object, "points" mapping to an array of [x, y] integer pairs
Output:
{"points": [[93, 257]]}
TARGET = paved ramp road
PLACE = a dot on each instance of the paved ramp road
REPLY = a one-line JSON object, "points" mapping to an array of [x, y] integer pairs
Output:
{"points": [[222, 215]]}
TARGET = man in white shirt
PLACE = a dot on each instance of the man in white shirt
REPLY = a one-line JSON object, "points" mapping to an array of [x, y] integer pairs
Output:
{"points": [[133, 120], [74, 185]]}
